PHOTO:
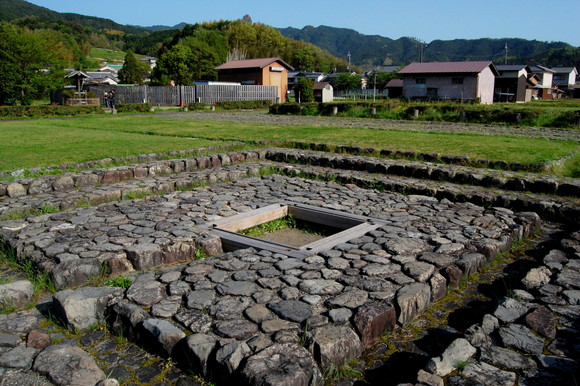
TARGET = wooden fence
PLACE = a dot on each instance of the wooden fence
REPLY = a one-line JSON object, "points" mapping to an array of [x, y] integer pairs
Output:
{"points": [[211, 94], [176, 95]]}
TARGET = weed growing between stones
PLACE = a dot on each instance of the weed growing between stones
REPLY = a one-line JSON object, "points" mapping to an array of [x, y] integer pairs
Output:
{"points": [[121, 340], [304, 335], [200, 254], [45, 209], [150, 361], [199, 379], [26, 173], [83, 203], [41, 280], [10, 215], [510, 293], [266, 171], [121, 281], [332, 374], [137, 194], [461, 365], [23, 213], [6, 307], [100, 279]]}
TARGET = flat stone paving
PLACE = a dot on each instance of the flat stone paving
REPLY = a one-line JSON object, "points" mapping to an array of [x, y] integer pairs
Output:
{"points": [[316, 311], [252, 316]]}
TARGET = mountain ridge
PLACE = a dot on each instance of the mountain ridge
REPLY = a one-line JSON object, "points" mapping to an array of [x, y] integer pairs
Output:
{"points": [[374, 50], [366, 51]]}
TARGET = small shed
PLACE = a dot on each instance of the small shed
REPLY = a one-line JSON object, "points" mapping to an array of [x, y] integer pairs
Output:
{"points": [[512, 84], [80, 96], [79, 77], [395, 88], [323, 92], [263, 71]]}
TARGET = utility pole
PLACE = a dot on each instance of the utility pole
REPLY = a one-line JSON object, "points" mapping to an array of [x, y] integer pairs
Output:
{"points": [[375, 86], [422, 45], [348, 56], [506, 53]]}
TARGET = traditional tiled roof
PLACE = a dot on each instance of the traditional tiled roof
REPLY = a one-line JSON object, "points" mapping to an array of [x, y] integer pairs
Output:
{"points": [[564, 70], [320, 85], [389, 68], [253, 63], [395, 83], [512, 67], [77, 74], [539, 69], [447, 67]]}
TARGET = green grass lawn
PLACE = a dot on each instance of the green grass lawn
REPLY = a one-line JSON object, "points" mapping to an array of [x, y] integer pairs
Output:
{"points": [[48, 142], [31, 143], [110, 56]]}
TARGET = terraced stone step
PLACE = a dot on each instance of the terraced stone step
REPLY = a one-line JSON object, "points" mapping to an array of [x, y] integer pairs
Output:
{"points": [[457, 174]]}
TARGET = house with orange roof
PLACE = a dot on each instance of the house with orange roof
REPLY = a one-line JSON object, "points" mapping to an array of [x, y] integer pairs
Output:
{"points": [[262, 71]]}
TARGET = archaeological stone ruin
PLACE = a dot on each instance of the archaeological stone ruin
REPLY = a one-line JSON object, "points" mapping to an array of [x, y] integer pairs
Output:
{"points": [[241, 310]]}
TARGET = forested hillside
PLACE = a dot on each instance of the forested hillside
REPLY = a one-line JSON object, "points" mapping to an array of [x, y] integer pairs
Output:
{"points": [[209, 43], [11, 10], [35, 39], [196, 50], [372, 50]]}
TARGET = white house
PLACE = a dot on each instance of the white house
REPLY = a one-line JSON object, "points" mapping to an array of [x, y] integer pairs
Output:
{"points": [[544, 89], [565, 76], [450, 80]]}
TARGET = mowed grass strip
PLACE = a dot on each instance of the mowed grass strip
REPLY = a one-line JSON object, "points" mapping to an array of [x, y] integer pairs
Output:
{"points": [[49, 142], [494, 148], [31, 143]]}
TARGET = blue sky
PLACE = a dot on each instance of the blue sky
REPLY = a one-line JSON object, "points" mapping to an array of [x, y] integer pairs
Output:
{"points": [[427, 20]]}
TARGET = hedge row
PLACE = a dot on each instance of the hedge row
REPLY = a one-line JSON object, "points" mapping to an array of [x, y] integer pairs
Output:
{"points": [[445, 112], [134, 107], [47, 111], [231, 105], [195, 106]]}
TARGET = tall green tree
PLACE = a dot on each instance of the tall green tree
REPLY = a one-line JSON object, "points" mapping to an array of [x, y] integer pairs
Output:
{"points": [[304, 90], [347, 82], [174, 66], [382, 79], [133, 70], [31, 64]]}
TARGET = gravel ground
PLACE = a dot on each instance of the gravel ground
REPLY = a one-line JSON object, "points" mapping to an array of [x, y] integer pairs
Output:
{"points": [[262, 117]]}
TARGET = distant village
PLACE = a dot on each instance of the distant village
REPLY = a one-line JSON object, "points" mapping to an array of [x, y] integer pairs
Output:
{"points": [[474, 81]]}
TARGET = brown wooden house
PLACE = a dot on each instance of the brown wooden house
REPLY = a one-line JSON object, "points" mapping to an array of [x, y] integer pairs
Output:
{"points": [[263, 71]]}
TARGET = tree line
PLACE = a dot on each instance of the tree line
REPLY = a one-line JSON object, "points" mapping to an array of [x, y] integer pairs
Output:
{"points": [[196, 50]]}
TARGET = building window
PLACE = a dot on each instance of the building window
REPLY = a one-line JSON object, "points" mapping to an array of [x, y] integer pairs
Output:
{"points": [[456, 80], [420, 81]]}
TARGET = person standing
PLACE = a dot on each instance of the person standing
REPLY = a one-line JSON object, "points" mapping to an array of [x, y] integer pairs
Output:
{"points": [[106, 99], [113, 101]]}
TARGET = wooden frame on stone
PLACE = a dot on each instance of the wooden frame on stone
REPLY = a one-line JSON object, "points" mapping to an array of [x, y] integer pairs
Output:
{"points": [[352, 225]]}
